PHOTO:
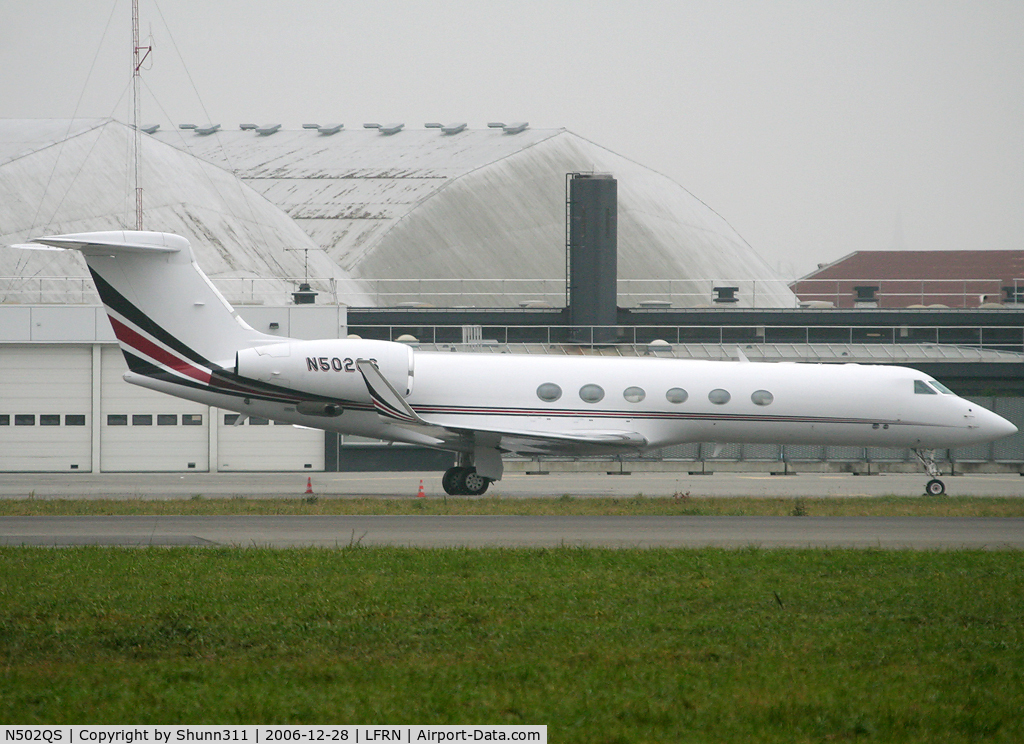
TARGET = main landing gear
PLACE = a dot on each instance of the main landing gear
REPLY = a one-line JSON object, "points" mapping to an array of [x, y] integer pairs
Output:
{"points": [[460, 481], [934, 487]]}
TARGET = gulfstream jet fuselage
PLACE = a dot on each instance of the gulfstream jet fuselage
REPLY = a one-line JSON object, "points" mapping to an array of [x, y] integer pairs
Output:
{"points": [[181, 337]]}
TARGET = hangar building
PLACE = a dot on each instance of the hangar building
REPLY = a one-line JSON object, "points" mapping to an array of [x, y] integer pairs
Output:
{"points": [[457, 216], [372, 217], [963, 278], [72, 176]]}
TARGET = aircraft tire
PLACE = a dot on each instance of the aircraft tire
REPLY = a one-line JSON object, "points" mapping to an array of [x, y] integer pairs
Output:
{"points": [[472, 484], [451, 480], [935, 487]]}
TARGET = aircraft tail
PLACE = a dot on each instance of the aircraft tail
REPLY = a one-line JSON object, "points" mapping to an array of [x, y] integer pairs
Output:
{"points": [[165, 312]]}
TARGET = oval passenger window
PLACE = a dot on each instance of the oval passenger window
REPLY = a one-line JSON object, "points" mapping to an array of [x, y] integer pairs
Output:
{"points": [[549, 392], [719, 397], [676, 395], [634, 394]]}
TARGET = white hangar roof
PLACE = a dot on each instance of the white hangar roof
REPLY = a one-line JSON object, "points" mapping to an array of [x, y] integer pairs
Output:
{"points": [[475, 217], [479, 215], [73, 176]]}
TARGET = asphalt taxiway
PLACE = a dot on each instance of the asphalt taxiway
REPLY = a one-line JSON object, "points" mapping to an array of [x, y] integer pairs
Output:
{"points": [[504, 531], [919, 533], [513, 485]]}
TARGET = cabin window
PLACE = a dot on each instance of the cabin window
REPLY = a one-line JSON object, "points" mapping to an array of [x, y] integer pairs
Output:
{"points": [[921, 388], [762, 397], [676, 395], [940, 387], [591, 393], [549, 392], [634, 394], [719, 397]]}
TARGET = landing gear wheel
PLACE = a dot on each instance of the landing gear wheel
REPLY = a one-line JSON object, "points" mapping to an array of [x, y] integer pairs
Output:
{"points": [[450, 481], [935, 487], [471, 483]]}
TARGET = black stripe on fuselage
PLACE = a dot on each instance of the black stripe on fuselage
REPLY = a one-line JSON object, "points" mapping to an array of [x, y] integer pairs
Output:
{"points": [[124, 307], [614, 415], [227, 383]]}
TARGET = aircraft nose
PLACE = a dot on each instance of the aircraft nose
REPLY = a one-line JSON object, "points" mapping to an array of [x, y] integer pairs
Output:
{"points": [[997, 427]]}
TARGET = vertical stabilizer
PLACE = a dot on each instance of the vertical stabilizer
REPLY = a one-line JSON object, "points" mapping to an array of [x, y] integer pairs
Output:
{"points": [[164, 310]]}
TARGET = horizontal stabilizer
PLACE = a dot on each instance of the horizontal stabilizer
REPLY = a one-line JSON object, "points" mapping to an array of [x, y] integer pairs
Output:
{"points": [[117, 241], [34, 247]]}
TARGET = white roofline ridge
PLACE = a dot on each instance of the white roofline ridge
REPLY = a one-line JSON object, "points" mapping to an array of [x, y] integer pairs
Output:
{"points": [[693, 195], [449, 181], [97, 124]]}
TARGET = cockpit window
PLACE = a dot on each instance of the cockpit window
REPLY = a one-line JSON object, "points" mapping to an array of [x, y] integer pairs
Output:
{"points": [[940, 387], [921, 388]]}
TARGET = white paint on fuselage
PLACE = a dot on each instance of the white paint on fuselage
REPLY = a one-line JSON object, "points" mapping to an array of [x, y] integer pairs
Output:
{"points": [[845, 404], [832, 404]]}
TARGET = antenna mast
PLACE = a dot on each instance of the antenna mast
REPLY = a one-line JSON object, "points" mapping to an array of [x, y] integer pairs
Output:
{"points": [[136, 79]]}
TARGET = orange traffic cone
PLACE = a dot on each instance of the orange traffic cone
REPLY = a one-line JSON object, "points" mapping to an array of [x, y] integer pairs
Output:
{"points": [[420, 494], [309, 485]]}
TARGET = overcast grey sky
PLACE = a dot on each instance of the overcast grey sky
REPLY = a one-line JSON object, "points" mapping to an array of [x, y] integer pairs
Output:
{"points": [[815, 128]]}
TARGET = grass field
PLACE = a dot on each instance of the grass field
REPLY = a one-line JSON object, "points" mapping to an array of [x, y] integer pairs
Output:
{"points": [[600, 645], [892, 506]]}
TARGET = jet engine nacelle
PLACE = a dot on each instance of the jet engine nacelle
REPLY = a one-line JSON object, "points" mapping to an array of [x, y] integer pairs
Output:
{"points": [[327, 368]]}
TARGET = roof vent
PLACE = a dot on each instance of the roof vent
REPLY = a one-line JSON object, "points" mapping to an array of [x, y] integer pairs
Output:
{"points": [[330, 129], [186, 126], [385, 128], [725, 294], [513, 128], [267, 130], [304, 295], [150, 128], [310, 126], [446, 128], [208, 129], [248, 127]]}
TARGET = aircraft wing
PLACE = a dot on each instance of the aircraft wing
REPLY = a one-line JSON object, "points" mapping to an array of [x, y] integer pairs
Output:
{"points": [[395, 410]]}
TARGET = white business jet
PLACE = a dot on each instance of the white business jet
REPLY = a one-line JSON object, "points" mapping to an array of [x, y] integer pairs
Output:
{"points": [[180, 336]]}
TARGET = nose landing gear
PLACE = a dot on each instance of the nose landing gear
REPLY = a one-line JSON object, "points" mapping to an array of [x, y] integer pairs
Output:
{"points": [[934, 487], [461, 481]]}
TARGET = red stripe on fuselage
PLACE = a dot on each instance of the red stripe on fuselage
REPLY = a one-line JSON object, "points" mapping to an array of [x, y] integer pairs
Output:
{"points": [[140, 343]]}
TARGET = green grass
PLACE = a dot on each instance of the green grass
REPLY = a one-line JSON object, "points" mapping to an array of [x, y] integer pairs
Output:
{"points": [[600, 645], [888, 506]]}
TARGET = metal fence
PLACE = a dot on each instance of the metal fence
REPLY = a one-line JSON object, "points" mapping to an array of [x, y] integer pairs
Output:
{"points": [[893, 293], [632, 293], [1001, 338], [68, 290]]}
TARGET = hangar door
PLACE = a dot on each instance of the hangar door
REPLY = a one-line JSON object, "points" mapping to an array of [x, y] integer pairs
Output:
{"points": [[45, 397], [142, 430], [259, 444]]}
